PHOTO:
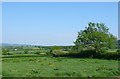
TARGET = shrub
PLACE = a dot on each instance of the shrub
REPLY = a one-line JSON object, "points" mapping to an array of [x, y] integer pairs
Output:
{"points": [[103, 50], [48, 52], [6, 52], [75, 50], [26, 51], [87, 53], [57, 53], [110, 55], [43, 54], [38, 52]]}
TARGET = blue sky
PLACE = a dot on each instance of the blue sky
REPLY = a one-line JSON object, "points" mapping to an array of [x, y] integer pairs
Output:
{"points": [[54, 23]]}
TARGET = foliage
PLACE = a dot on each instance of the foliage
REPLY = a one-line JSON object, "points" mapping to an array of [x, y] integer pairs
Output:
{"points": [[55, 47], [118, 50], [5, 52], [37, 52], [66, 48], [59, 53], [96, 36], [26, 51], [110, 55]]}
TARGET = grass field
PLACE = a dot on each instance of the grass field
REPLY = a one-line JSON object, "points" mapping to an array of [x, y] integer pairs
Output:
{"points": [[58, 67]]}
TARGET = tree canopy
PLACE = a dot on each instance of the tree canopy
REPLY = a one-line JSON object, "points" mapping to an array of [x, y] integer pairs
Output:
{"points": [[96, 36]]}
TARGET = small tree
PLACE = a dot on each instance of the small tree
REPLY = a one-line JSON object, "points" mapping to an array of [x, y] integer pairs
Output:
{"points": [[96, 36]]}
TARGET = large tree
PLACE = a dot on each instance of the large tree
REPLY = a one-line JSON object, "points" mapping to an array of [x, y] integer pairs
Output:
{"points": [[96, 36]]}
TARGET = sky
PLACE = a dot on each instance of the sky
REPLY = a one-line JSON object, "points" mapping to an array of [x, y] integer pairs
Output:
{"points": [[53, 23], [60, 0], [0, 22]]}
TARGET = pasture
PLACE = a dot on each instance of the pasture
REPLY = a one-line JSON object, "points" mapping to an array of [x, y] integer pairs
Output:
{"points": [[58, 67]]}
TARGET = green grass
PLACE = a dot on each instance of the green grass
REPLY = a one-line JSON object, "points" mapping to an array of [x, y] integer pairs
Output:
{"points": [[58, 67], [20, 55]]}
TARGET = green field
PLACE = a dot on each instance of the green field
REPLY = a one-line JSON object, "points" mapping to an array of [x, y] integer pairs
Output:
{"points": [[58, 67]]}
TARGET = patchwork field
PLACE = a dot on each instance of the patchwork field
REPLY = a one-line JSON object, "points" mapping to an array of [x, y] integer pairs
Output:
{"points": [[58, 67]]}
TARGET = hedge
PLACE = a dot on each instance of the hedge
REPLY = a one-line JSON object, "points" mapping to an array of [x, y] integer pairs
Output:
{"points": [[88, 54]]}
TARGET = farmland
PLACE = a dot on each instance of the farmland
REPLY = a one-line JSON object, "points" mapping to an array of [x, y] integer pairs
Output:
{"points": [[39, 61], [58, 67]]}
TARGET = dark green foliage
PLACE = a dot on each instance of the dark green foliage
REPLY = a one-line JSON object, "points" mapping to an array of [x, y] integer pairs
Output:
{"points": [[110, 55], [38, 52], [26, 51], [118, 50], [6, 52], [75, 49], [90, 54]]}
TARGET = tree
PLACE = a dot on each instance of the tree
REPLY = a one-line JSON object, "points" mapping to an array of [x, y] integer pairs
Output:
{"points": [[96, 36]]}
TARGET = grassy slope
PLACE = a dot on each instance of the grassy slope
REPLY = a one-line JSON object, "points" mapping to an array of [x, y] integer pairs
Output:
{"points": [[51, 67]]}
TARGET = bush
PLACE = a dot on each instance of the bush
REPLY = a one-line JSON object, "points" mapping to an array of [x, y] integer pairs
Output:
{"points": [[26, 51], [57, 53], [110, 55], [87, 53], [43, 51], [38, 52], [49, 52], [75, 50], [5, 52], [43, 54], [103, 50]]}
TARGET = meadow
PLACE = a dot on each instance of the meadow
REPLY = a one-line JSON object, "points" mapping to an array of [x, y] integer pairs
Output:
{"points": [[58, 67], [57, 61]]}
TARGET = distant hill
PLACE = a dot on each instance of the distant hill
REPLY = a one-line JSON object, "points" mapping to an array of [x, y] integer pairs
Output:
{"points": [[7, 44]]}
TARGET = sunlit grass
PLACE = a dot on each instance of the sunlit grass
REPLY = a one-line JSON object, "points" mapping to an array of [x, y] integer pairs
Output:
{"points": [[54, 67]]}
